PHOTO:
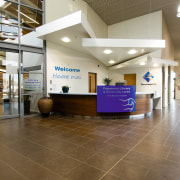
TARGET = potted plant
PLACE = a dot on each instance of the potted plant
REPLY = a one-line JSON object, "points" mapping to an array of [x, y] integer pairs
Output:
{"points": [[65, 89], [107, 81]]}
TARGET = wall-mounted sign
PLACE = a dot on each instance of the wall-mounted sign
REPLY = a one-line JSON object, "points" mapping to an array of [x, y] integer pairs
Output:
{"points": [[148, 76], [149, 84], [66, 73], [32, 84], [58, 68], [116, 98]]}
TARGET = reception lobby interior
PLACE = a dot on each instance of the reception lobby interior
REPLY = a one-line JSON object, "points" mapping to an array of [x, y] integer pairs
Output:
{"points": [[77, 143]]}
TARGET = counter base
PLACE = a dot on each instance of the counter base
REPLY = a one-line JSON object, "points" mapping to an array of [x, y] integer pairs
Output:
{"points": [[86, 105]]}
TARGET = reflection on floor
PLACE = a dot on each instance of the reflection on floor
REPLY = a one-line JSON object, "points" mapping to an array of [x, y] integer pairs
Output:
{"points": [[91, 149], [8, 108], [11, 108]]}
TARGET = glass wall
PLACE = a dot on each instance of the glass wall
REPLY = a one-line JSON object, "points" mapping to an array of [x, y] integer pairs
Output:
{"points": [[32, 74], [9, 93], [21, 71], [18, 18]]}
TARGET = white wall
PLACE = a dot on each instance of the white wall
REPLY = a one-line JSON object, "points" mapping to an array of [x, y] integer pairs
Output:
{"points": [[144, 27], [63, 8], [118, 75], [61, 56]]}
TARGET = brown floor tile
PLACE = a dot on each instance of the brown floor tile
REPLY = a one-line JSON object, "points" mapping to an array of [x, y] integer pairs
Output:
{"points": [[121, 130], [81, 153], [162, 175], [78, 140], [156, 139], [113, 151], [128, 171], [102, 161], [84, 172], [96, 137], [136, 158], [153, 149], [62, 165], [111, 177], [25, 147], [7, 173], [26, 167], [44, 156], [104, 134], [123, 142], [70, 148], [166, 168]]}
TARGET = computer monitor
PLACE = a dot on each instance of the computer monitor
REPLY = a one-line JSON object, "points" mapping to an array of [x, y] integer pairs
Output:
{"points": [[120, 84]]}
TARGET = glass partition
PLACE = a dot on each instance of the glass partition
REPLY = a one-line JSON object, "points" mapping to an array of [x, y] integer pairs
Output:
{"points": [[9, 83], [32, 81], [27, 16], [33, 3], [20, 88], [30, 18], [9, 22]]}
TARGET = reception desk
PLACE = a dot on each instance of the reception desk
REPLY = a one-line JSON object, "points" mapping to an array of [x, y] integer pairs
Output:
{"points": [[86, 104]]}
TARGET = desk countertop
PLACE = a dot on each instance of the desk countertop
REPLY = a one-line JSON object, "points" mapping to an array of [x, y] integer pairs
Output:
{"points": [[92, 93]]}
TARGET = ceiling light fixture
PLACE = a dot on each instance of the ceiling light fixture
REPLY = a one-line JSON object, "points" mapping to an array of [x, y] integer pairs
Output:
{"points": [[155, 65], [107, 51], [142, 63], [111, 61], [2, 3], [132, 51], [66, 39], [178, 12]]}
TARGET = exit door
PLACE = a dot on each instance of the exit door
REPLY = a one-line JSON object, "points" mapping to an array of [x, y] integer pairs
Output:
{"points": [[131, 79]]}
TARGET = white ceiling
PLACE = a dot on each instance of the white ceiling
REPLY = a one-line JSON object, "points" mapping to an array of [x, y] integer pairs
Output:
{"points": [[114, 11], [76, 27], [120, 48]]}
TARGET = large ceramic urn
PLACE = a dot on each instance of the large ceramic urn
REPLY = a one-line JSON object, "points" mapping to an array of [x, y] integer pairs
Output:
{"points": [[45, 105]]}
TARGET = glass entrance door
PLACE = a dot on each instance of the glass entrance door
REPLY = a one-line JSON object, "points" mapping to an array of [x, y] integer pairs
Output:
{"points": [[32, 74], [9, 93]]}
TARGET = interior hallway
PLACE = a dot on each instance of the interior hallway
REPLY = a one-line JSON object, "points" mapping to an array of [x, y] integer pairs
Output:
{"points": [[59, 147]]}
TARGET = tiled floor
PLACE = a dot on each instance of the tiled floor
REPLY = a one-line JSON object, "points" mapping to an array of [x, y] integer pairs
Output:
{"points": [[65, 148]]}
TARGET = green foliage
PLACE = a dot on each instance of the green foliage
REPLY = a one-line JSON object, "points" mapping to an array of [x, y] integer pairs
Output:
{"points": [[107, 81]]}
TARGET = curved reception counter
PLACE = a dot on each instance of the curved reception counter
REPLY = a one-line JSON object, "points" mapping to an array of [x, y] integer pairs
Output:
{"points": [[86, 104]]}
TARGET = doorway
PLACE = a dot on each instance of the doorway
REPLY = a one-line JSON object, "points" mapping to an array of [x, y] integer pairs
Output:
{"points": [[92, 82], [32, 82], [130, 79], [9, 84]]}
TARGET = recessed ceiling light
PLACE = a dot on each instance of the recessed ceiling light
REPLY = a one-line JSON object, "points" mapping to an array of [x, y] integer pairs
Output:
{"points": [[178, 12], [111, 61], [66, 39], [107, 51], [155, 65], [179, 9], [132, 51], [142, 63]]}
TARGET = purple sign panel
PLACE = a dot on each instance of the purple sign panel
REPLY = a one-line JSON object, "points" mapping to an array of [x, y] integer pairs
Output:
{"points": [[116, 98]]}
